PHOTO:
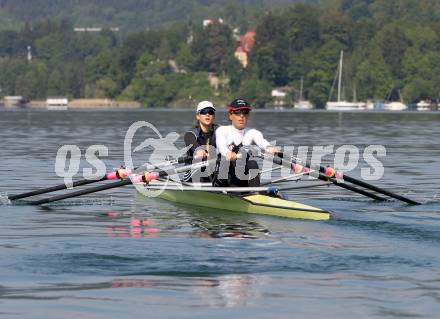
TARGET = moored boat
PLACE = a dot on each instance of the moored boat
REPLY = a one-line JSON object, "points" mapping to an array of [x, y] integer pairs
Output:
{"points": [[395, 106], [341, 104], [424, 106]]}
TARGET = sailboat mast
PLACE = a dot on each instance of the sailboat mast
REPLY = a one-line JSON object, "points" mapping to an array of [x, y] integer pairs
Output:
{"points": [[340, 75]]}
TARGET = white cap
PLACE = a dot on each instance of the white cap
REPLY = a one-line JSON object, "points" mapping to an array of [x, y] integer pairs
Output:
{"points": [[203, 105]]}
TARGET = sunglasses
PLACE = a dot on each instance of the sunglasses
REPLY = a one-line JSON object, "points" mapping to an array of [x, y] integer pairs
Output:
{"points": [[241, 111], [207, 111]]}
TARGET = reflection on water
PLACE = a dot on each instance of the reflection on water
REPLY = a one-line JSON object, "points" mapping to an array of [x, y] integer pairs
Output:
{"points": [[139, 226], [219, 292], [249, 230], [136, 227], [223, 291], [226, 291], [368, 295]]}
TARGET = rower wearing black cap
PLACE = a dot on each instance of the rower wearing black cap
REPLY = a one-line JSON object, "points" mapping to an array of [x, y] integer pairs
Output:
{"points": [[230, 139]]}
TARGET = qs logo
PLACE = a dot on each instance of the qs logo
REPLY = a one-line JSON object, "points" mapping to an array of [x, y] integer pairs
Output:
{"points": [[163, 148]]}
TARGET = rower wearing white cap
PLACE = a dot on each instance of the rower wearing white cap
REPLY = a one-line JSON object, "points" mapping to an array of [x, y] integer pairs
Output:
{"points": [[201, 137]]}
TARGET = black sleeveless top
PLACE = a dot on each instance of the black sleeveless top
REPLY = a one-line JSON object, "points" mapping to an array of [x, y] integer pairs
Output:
{"points": [[196, 138]]}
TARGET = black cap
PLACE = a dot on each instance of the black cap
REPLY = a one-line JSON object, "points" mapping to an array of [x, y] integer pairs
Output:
{"points": [[239, 104]]}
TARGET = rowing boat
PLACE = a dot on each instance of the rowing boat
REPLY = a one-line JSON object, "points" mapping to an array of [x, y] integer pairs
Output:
{"points": [[247, 203], [257, 200]]}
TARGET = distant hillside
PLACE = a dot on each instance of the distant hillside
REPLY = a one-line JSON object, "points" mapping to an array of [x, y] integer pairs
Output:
{"points": [[391, 50], [132, 15]]}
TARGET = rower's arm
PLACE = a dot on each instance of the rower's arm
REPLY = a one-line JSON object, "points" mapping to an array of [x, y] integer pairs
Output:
{"points": [[191, 140], [221, 141], [259, 140]]}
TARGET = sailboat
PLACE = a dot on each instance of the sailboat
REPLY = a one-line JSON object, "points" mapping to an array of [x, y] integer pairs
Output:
{"points": [[395, 105], [342, 105], [424, 105], [302, 104]]}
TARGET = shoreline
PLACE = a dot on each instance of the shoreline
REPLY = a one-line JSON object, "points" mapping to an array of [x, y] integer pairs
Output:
{"points": [[109, 104], [87, 104], [135, 108]]}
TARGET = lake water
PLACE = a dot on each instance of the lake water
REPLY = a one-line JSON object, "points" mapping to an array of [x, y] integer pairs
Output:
{"points": [[88, 257]]}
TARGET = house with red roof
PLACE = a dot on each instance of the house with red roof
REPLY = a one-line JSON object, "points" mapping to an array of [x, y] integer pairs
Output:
{"points": [[244, 46]]}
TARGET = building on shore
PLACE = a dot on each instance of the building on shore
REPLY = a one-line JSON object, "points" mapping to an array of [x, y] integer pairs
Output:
{"points": [[244, 46], [281, 96], [59, 103], [14, 101], [93, 29]]}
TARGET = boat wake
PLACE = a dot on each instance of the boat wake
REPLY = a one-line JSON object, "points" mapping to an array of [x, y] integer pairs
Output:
{"points": [[83, 202], [4, 200], [249, 230]]}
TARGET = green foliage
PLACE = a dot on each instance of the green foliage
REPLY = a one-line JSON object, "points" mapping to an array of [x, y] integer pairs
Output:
{"points": [[271, 54], [212, 46], [184, 57], [133, 15], [33, 83], [10, 70], [374, 77], [256, 91], [421, 75], [194, 88], [387, 44], [56, 84]]}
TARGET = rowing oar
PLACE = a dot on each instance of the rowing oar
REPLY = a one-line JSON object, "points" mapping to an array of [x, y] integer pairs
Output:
{"points": [[144, 178], [329, 173], [118, 174]]}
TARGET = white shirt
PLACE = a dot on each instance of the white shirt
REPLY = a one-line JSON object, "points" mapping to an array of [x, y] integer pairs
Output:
{"points": [[228, 136]]}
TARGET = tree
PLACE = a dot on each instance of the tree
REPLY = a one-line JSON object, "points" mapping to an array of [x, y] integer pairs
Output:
{"points": [[55, 84], [105, 88], [374, 77], [32, 84], [420, 74], [336, 26], [393, 44], [10, 70], [74, 77], [235, 72], [184, 57], [258, 92], [161, 90], [98, 66], [323, 67], [11, 44], [271, 52], [302, 27], [320, 88], [212, 46]]}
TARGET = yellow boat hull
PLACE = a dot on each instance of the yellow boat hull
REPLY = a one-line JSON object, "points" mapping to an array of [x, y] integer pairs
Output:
{"points": [[253, 204]]}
